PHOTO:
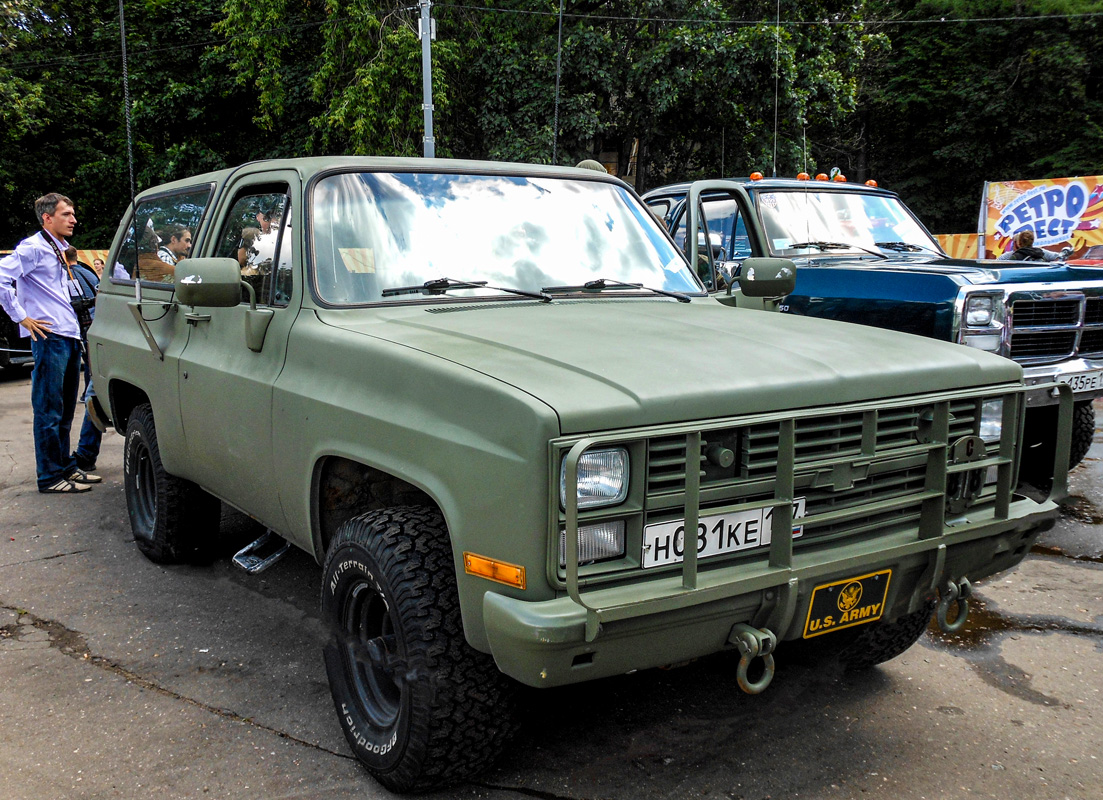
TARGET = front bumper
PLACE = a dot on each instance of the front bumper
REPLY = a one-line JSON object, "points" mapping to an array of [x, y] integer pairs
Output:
{"points": [[1045, 375], [545, 643]]}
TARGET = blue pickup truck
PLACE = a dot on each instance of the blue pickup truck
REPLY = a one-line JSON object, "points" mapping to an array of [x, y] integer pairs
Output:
{"points": [[860, 255]]}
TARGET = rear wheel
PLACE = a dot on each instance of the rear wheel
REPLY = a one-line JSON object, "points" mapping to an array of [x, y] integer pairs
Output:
{"points": [[881, 641], [419, 706], [173, 520]]}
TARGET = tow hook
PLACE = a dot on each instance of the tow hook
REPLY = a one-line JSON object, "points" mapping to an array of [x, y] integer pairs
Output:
{"points": [[754, 643], [954, 593]]}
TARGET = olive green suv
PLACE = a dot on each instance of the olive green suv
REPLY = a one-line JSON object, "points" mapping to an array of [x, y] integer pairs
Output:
{"points": [[490, 399]]}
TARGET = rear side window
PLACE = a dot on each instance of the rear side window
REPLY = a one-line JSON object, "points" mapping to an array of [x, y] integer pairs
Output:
{"points": [[160, 235]]}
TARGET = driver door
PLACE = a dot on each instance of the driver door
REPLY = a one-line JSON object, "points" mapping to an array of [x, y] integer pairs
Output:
{"points": [[226, 386]]}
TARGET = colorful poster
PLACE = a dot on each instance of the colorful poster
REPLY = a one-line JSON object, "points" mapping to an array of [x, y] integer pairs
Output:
{"points": [[1062, 212]]}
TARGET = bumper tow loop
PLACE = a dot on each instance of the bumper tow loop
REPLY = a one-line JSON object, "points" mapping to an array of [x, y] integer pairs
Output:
{"points": [[754, 643], [954, 593]]}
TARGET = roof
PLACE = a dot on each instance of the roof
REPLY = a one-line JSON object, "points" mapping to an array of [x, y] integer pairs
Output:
{"points": [[309, 167], [774, 183]]}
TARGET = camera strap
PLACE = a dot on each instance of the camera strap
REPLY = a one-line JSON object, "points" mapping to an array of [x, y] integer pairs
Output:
{"points": [[76, 293]]}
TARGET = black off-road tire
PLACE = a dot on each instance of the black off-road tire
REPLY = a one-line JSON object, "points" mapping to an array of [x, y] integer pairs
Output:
{"points": [[419, 706], [880, 641], [1083, 431], [1039, 445], [173, 520]]}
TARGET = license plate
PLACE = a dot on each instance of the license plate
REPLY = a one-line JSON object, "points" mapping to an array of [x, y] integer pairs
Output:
{"points": [[846, 603], [1083, 381], [663, 542]]}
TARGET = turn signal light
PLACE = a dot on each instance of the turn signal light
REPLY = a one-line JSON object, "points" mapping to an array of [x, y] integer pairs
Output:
{"points": [[499, 571], [822, 176], [756, 176], [803, 176]]}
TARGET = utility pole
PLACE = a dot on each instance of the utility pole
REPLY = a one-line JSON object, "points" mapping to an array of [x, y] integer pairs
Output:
{"points": [[426, 34]]}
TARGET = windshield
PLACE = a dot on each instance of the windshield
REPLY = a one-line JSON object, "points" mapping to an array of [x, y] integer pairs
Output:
{"points": [[378, 231], [870, 221]]}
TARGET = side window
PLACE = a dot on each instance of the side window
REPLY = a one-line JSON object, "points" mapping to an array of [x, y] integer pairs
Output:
{"points": [[160, 236], [256, 233], [661, 209]]}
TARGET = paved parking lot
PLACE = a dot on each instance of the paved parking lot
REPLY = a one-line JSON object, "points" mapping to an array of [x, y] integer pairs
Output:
{"points": [[120, 678]]}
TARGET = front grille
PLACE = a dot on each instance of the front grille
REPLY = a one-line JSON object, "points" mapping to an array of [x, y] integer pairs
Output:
{"points": [[1093, 311], [868, 470], [1040, 313], [1044, 329], [1091, 342], [1042, 344], [754, 449]]}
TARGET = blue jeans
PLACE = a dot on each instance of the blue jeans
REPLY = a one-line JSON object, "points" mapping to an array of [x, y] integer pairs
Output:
{"points": [[88, 448], [54, 384]]}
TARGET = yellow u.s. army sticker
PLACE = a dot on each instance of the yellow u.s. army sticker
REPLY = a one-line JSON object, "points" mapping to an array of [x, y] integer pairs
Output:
{"points": [[846, 603]]}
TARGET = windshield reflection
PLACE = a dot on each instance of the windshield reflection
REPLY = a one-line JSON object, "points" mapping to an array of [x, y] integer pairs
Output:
{"points": [[376, 231], [852, 218]]}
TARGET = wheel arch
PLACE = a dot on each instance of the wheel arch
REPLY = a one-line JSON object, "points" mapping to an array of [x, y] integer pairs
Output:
{"points": [[342, 488], [124, 397]]}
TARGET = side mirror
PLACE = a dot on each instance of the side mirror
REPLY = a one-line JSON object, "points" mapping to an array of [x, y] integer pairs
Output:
{"points": [[767, 277], [209, 282]]}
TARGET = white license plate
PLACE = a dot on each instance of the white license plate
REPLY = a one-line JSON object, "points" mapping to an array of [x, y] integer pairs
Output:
{"points": [[663, 542], [1083, 381]]}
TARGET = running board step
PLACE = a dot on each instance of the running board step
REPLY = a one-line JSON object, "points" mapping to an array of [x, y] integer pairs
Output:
{"points": [[261, 554]]}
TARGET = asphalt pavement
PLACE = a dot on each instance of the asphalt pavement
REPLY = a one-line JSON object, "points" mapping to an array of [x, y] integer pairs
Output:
{"points": [[120, 678]]}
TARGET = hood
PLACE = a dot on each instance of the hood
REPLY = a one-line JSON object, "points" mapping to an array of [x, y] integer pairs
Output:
{"points": [[971, 272], [610, 363]]}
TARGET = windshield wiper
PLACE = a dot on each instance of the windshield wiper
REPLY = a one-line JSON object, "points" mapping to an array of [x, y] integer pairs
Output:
{"points": [[442, 285], [821, 246], [598, 284], [906, 247]]}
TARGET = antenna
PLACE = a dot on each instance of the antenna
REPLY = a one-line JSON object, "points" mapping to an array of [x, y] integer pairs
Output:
{"points": [[558, 61], [777, 76]]}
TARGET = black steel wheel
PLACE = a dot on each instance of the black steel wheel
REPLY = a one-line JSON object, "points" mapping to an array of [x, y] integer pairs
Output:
{"points": [[173, 520], [419, 706]]}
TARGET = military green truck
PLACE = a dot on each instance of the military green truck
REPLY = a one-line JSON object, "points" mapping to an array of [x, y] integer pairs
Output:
{"points": [[489, 400]]}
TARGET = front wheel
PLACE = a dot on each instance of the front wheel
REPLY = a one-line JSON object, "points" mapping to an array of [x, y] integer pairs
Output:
{"points": [[419, 706]]}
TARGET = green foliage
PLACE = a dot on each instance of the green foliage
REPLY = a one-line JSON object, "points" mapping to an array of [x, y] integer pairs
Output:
{"points": [[964, 102], [680, 89]]}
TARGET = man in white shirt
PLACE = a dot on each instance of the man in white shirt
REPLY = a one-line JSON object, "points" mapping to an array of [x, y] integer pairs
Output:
{"points": [[38, 292]]}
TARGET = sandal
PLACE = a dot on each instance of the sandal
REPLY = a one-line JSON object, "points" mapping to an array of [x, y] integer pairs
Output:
{"points": [[65, 486], [80, 476]]}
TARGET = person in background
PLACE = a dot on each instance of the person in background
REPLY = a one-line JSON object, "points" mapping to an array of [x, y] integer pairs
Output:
{"points": [[97, 267], [88, 446], [39, 294], [1024, 250], [175, 244]]}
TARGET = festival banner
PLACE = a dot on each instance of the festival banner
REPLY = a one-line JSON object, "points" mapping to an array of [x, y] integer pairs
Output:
{"points": [[1062, 212]]}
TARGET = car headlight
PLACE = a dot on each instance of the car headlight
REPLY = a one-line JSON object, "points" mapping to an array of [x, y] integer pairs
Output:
{"points": [[991, 420], [602, 478], [980, 310]]}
